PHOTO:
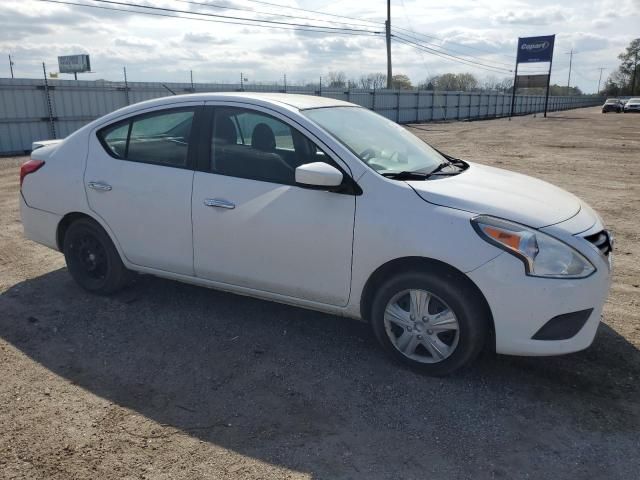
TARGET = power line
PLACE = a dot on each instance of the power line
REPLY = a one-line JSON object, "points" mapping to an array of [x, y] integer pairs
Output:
{"points": [[404, 12], [311, 29], [445, 49], [312, 11], [411, 30], [451, 57], [230, 17], [455, 43], [280, 15]]}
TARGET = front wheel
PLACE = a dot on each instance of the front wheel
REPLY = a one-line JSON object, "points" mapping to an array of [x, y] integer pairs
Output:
{"points": [[431, 322], [92, 259]]}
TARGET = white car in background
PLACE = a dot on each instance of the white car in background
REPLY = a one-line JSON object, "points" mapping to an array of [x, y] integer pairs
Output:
{"points": [[632, 105], [325, 205]]}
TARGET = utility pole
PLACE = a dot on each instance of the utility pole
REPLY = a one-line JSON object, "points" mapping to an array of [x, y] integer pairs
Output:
{"points": [[191, 78], [635, 74], [570, 62], [11, 65], [599, 79], [126, 86], [241, 82], [285, 83], [387, 25]]}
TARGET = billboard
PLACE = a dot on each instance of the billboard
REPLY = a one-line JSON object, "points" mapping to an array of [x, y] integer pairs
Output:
{"points": [[532, 81], [74, 64], [535, 49]]}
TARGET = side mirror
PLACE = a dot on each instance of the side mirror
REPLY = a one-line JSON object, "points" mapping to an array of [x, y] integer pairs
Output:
{"points": [[318, 174]]}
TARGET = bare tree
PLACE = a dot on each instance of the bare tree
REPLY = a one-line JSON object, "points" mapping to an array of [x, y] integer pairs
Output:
{"points": [[336, 79], [373, 80]]}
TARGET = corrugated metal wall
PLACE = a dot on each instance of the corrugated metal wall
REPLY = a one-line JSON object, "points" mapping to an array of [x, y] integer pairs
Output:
{"points": [[31, 110]]}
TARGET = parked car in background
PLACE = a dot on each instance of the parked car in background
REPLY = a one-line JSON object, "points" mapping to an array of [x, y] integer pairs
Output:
{"points": [[612, 105], [325, 205], [632, 105]]}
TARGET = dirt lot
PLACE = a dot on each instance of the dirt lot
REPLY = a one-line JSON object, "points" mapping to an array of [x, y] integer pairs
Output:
{"points": [[167, 380]]}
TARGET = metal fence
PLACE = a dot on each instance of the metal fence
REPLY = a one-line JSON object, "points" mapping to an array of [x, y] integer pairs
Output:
{"points": [[32, 109]]}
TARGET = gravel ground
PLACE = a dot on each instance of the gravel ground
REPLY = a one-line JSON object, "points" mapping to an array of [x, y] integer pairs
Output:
{"points": [[167, 380]]}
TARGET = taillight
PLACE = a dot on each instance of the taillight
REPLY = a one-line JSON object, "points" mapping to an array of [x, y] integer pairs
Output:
{"points": [[28, 167]]}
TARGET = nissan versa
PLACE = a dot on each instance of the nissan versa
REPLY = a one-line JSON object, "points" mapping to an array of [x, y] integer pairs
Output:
{"points": [[325, 205]]}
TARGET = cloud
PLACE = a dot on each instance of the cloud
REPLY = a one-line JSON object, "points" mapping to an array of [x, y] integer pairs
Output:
{"points": [[584, 41], [165, 49], [133, 42], [203, 38], [533, 17]]}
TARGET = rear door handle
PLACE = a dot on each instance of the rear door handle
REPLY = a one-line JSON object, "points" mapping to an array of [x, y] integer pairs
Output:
{"points": [[103, 187], [220, 203]]}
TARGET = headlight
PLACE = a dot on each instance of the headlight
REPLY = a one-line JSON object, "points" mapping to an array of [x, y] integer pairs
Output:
{"points": [[542, 254]]}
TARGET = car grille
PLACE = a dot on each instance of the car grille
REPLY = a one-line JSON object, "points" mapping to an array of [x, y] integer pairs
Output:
{"points": [[602, 240]]}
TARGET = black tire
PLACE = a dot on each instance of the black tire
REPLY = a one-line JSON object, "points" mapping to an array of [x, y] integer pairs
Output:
{"points": [[92, 259], [450, 291]]}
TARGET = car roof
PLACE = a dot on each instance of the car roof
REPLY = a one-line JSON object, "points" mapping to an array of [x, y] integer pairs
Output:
{"points": [[289, 101], [294, 100]]}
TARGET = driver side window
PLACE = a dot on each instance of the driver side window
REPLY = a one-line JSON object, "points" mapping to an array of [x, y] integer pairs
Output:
{"points": [[253, 145]]}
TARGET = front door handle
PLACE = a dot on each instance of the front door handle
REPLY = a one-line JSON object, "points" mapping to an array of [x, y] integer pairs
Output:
{"points": [[103, 187], [220, 203]]}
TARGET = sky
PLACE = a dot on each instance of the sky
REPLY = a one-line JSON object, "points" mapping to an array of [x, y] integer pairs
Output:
{"points": [[156, 48]]}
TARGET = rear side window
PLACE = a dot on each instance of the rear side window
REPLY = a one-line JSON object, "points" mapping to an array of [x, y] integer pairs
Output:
{"points": [[160, 138], [114, 139]]}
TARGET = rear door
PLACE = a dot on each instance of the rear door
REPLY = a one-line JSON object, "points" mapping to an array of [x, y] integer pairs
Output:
{"points": [[139, 178], [254, 227]]}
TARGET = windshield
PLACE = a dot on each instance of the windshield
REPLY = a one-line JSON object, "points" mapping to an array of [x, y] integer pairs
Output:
{"points": [[612, 101], [382, 144], [633, 100]]}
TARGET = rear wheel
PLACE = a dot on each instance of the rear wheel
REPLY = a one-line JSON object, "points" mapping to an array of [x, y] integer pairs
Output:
{"points": [[92, 259], [430, 322]]}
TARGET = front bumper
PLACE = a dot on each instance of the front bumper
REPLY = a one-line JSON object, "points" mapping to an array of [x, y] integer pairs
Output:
{"points": [[521, 305]]}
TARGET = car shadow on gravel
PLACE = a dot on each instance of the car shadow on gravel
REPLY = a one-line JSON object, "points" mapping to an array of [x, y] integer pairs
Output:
{"points": [[313, 392]]}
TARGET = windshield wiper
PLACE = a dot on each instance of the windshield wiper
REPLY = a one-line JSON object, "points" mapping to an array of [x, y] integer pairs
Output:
{"points": [[440, 167], [406, 175], [417, 175]]}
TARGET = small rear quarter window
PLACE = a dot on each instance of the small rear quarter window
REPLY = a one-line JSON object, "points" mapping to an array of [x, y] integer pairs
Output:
{"points": [[114, 139]]}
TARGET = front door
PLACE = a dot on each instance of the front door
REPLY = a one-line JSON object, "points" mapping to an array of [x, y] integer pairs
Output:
{"points": [[253, 227]]}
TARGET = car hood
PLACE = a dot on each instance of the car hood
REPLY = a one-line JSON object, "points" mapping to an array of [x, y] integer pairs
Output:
{"points": [[501, 193]]}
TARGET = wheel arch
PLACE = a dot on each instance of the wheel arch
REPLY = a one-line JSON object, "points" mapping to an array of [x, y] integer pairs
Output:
{"points": [[69, 218], [421, 264]]}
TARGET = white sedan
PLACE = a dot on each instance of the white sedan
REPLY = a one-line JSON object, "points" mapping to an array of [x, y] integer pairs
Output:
{"points": [[325, 205]]}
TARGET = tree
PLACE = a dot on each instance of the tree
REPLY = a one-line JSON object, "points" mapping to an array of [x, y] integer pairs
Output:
{"points": [[336, 80], [625, 80], [373, 81], [629, 65], [401, 82], [428, 83], [562, 90], [455, 82]]}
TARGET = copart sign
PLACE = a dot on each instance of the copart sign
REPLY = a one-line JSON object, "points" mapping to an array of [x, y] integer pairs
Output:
{"points": [[535, 49]]}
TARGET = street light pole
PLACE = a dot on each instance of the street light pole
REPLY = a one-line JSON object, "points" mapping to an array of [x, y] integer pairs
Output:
{"points": [[635, 74], [599, 79], [387, 25], [11, 65], [570, 62]]}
